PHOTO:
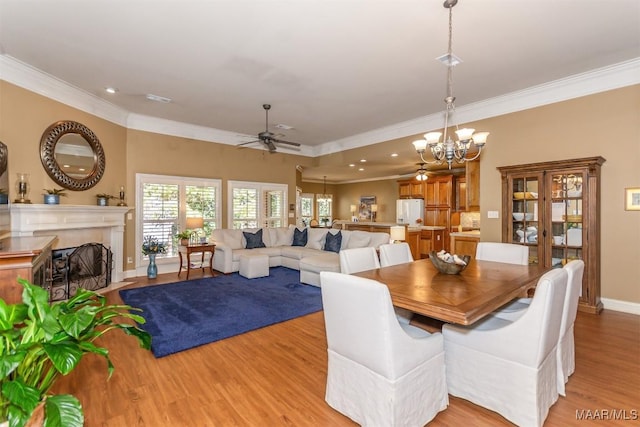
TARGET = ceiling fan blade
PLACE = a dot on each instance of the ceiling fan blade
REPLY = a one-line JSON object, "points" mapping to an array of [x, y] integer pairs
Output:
{"points": [[248, 142], [269, 144], [280, 141]]}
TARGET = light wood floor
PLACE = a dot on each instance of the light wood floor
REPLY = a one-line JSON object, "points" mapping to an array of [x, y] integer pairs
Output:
{"points": [[276, 376]]}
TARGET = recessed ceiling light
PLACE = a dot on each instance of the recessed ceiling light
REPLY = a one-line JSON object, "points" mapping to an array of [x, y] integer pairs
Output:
{"points": [[284, 127], [394, 154], [66, 166], [363, 160], [351, 165], [81, 169], [111, 89], [158, 98], [361, 169]]}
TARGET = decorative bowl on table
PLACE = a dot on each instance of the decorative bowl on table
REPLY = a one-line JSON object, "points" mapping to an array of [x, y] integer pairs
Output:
{"points": [[448, 267]]}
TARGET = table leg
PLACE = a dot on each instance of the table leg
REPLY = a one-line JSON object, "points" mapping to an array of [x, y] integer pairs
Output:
{"points": [[188, 264], [202, 262], [180, 269], [211, 263]]}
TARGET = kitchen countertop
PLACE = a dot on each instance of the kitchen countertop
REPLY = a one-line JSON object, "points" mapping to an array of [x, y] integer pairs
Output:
{"points": [[426, 227], [472, 233]]}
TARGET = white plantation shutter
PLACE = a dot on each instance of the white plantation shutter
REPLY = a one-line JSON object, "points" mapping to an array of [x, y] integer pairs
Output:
{"points": [[274, 208], [167, 201], [306, 208], [257, 204], [160, 209], [245, 207]]}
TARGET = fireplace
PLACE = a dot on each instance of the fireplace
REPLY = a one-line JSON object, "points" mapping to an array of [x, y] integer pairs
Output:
{"points": [[87, 266], [74, 226]]}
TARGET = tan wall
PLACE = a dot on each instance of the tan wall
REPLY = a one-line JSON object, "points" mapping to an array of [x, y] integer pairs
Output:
{"points": [[605, 124], [24, 116]]}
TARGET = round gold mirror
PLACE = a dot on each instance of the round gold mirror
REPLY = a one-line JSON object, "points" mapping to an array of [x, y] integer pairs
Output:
{"points": [[72, 155]]}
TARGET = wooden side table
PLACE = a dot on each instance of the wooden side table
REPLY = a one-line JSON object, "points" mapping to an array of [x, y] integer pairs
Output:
{"points": [[194, 249]]}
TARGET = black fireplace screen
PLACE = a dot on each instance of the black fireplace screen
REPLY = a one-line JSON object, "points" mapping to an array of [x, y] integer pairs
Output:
{"points": [[87, 266]]}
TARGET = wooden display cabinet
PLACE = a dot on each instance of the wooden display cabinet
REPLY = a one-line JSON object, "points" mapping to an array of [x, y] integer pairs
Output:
{"points": [[554, 209]]}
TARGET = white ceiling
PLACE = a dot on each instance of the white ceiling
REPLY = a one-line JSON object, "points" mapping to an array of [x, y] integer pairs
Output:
{"points": [[342, 73]]}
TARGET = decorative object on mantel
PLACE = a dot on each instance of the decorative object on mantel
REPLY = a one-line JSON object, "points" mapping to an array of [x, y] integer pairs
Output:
{"points": [[122, 202], [449, 150], [632, 199], [374, 210], [34, 360], [52, 195], [103, 199], [23, 188], [447, 263], [151, 247]]}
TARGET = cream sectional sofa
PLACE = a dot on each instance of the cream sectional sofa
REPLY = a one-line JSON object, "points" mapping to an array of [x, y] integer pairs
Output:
{"points": [[309, 259]]}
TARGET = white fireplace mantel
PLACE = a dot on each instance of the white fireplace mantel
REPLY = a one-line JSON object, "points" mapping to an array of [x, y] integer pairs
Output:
{"points": [[66, 220]]}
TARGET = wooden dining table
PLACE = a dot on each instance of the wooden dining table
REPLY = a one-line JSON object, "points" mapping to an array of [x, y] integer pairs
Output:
{"points": [[464, 298]]}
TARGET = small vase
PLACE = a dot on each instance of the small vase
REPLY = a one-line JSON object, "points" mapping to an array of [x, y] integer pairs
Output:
{"points": [[51, 199], [102, 201], [152, 269]]}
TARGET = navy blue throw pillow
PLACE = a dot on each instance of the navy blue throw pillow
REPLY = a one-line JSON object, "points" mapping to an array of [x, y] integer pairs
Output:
{"points": [[254, 240], [333, 241], [299, 237]]}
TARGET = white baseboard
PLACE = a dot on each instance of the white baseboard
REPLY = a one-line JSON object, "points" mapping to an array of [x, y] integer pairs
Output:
{"points": [[623, 306]]}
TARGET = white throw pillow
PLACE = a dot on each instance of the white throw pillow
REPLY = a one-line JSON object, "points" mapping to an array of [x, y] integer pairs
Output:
{"points": [[282, 236], [315, 239], [233, 238], [359, 239]]}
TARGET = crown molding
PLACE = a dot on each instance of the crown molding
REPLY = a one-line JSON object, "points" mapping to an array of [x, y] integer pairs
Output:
{"points": [[599, 80], [37, 81]]}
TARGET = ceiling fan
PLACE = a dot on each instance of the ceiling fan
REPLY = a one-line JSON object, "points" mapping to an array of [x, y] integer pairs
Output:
{"points": [[269, 138]]}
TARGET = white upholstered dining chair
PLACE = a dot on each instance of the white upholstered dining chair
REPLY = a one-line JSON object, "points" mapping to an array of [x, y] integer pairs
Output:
{"points": [[394, 254], [566, 341], [361, 259], [358, 259], [510, 367], [380, 372], [502, 252]]}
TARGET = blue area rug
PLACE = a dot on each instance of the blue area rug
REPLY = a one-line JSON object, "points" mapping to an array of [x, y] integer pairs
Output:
{"points": [[187, 314]]}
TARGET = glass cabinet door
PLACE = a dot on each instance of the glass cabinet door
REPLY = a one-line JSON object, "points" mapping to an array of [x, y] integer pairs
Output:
{"points": [[566, 218], [525, 214]]}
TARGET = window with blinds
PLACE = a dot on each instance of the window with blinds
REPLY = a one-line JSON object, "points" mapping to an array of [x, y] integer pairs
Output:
{"points": [[256, 204], [306, 208], [325, 208], [167, 202]]}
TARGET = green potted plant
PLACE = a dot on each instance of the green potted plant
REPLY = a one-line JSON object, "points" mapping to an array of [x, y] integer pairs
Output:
{"points": [[184, 237], [52, 195], [40, 341], [103, 199]]}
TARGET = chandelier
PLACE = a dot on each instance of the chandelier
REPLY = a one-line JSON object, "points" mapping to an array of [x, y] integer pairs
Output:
{"points": [[449, 150]]}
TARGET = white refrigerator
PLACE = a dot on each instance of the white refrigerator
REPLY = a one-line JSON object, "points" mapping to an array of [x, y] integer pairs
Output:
{"points": [[408, 211]]}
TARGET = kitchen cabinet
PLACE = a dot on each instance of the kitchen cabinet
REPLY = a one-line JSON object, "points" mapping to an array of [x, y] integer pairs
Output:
{"points": [[472, 180], [25, 257], [411, 189], [460, 194], [464, 243], [438, 190], [554, 209], [413, 239], [430, 240]]}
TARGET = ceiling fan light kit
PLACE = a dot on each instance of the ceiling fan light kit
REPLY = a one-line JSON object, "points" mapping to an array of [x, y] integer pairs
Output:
{"points": [[449, 150]]}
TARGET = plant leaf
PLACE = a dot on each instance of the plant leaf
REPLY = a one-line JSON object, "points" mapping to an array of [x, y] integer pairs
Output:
{"points": [[65, 355], [63, 410]]}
